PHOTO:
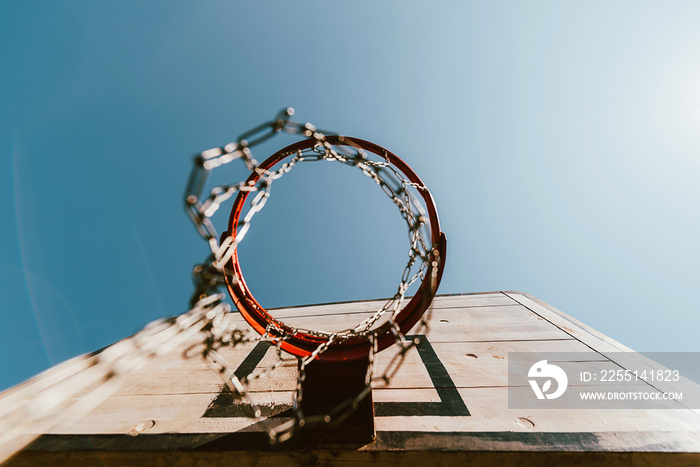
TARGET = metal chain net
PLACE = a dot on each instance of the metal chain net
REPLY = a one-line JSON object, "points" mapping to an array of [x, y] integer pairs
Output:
{"points": [[210, 320]]}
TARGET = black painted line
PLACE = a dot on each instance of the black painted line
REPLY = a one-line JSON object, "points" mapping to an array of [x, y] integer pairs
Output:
{"points": [[451, 403], [435, 443], [251, 361], [227, 404]]}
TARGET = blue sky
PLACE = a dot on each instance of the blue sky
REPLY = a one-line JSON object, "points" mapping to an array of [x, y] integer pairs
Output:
{"points": [[560, 140]]}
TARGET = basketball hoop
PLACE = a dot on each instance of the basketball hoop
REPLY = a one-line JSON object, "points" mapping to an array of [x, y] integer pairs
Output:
{"points": [[330, 356], [351, 344]]}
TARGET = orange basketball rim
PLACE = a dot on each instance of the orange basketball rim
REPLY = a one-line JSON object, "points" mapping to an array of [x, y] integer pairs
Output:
{"points": [[357, 347]]}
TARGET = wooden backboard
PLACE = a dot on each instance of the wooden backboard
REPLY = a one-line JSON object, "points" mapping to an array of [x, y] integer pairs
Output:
{"points": [[448, 403]]}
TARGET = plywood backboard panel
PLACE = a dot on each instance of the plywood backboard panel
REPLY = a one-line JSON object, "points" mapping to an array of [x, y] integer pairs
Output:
{"points": [[181, 404]]}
